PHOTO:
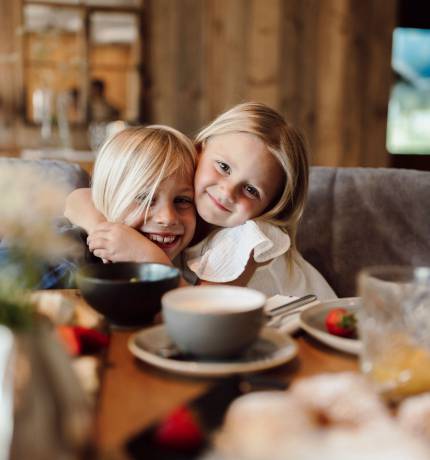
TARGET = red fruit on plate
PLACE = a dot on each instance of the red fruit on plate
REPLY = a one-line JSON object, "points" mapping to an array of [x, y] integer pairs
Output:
{"points": [[180, 430], [340, 321]]}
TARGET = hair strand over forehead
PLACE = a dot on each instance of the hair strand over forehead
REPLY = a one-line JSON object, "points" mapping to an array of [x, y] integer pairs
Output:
{"points": [[133, 163]]}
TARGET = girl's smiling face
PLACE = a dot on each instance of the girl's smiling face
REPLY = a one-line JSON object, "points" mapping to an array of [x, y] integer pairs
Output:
{"points": [[237, 179], [171, 218]]}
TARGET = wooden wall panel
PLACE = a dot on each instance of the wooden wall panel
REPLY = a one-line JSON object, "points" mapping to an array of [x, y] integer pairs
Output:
{"points": [[189, 66], [164, 35], [11, 96], [175, 66], [356, 74], [332, 54], [263, 50], [354, 80], [380, 24], [324, 64], [225, 55], [299, 73]]}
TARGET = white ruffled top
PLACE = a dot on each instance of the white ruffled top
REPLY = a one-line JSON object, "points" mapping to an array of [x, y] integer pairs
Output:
{"points": [[223, 255]]}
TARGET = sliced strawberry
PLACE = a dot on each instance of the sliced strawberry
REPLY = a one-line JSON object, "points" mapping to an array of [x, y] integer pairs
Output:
{"points": [[180, 430]]}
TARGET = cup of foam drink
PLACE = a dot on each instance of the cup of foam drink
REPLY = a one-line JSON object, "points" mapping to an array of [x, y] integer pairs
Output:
{"points": [[213, 321]]}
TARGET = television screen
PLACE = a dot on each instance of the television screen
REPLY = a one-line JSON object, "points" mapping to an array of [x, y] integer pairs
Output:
{"points": [[408, 127]]}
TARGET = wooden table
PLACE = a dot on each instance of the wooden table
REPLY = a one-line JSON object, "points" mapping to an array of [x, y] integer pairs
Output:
{"points": [[134, 394]]}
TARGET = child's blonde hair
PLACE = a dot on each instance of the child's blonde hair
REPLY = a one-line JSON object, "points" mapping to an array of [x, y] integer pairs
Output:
{"points": [[131, 165], [284, 142]]}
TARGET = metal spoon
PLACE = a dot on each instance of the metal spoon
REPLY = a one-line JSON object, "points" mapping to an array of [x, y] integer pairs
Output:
{"points": [[289, 306]]}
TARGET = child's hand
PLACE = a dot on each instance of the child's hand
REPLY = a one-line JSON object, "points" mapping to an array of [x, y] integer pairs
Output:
{"points": [[120, 243], [80, 210]]}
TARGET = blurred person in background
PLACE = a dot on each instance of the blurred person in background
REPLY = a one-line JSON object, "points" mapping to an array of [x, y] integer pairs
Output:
{"points": [[100, 109]]}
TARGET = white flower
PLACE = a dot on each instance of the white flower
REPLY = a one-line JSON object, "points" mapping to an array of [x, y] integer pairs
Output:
{"points": [[30, 200]]}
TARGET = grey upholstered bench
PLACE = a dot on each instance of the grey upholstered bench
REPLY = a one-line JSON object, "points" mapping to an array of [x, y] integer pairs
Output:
{"points": [[358, 217]]}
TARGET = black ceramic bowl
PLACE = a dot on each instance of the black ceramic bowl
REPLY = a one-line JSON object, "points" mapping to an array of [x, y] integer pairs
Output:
{"points": [[127, 293]]}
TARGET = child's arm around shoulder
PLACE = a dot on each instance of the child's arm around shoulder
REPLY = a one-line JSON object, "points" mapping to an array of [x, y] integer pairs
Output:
{"points": [[118, 242], [80, 210]]}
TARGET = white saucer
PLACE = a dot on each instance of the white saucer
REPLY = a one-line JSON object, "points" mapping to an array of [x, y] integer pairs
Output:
{"points": [[312, 321], [270, 350]]}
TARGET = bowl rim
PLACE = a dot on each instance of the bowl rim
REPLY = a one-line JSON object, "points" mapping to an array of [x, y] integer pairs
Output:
{"points": [[175, 274]]}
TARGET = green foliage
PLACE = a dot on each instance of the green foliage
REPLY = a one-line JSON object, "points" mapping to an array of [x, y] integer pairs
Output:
{"points": [[17, 280], [30, 200], [15, 312]]}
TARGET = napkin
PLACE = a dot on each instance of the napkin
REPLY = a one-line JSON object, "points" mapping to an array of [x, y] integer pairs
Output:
{"points": [[291, 323]]}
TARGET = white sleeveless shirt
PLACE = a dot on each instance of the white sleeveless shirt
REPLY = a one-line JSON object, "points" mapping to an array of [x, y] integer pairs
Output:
{"points": [[223, 255]]}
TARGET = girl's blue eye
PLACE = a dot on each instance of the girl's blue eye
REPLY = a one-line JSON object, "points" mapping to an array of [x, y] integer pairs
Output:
{"points": [[141, 197], [223, 166], [252, 191]]}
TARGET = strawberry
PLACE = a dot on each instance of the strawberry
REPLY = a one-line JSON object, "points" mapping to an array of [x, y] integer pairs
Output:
{"points": [[91, 340], [81, 340], [68, 338], [180, 430], [340, 321]]}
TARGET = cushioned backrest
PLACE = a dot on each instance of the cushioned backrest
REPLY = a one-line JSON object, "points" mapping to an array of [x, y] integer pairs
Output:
{"points": [[359, 217], [60, 178], [68, 175]]}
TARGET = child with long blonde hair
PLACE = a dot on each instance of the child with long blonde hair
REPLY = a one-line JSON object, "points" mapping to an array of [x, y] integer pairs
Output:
{"points": [[250, 189]]}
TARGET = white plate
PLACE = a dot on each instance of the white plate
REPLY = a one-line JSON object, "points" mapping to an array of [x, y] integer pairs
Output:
{"points": [[270, 350], [312, 321]]}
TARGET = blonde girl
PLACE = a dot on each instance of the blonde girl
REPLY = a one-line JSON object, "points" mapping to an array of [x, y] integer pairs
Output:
{"points": [[143, 185], [251, 185], [250, 189]]}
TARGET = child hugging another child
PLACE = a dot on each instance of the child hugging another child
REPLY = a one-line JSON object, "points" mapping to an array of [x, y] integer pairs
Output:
{"points": [[250, 189], [143, 184]]}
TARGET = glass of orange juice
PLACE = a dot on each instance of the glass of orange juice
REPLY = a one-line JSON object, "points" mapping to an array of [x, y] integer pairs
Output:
{"points": [[394, 326]]}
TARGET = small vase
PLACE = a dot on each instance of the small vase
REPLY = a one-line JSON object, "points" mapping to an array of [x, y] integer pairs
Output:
{"points": [[51, 415]]}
